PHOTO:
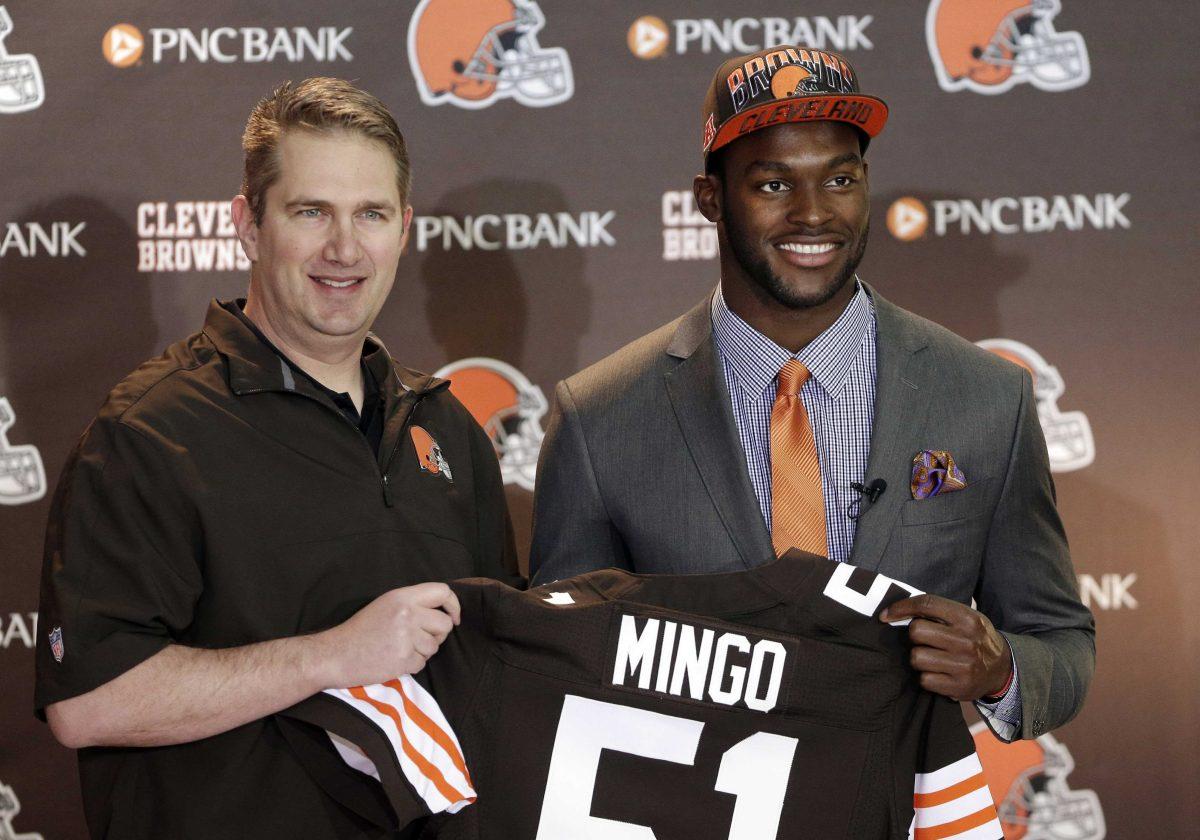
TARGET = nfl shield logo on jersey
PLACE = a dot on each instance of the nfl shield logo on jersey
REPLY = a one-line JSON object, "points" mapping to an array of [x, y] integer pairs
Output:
{"points": [[56, 644]]}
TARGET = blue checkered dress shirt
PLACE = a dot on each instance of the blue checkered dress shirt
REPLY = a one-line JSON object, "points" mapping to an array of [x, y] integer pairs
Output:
{"points": [[839, 398]]}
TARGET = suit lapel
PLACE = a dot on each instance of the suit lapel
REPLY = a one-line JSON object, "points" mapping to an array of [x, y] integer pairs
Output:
{"points": [[904, 389], [700, 399]]}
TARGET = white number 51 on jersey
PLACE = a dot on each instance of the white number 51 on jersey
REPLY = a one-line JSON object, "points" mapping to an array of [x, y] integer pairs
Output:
{"points": [[755, 770]]}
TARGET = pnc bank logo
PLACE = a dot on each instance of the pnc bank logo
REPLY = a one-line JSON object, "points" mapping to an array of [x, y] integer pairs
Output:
{"points": [[648, 37], [907, 219], [513, 231], [17, 630], [42, 239], [124, 45], [910, 219], [651, 37]]}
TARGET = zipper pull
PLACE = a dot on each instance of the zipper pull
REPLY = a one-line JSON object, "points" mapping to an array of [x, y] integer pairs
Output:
{"points": [[387, 492]]}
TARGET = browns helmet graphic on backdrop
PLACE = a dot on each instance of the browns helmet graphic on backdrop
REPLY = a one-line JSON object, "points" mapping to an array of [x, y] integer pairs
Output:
{"points": [[1068, 433], [472, 53], [22, 476], [21, 86], [508, 406], [1028, 780], [990, 45]]}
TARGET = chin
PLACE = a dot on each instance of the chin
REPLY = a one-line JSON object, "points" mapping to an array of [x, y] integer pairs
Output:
{"points": [[338, 325], [806, 293]]}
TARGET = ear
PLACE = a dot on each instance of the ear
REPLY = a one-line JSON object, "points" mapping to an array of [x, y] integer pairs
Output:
{"points": [[243, 222], [707, 190], [408, 217]]}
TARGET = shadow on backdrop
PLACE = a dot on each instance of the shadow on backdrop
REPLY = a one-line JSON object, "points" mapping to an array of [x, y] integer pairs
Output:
{"points": [[956, 279], [1111, 534], [524, 307], [72, 327]]}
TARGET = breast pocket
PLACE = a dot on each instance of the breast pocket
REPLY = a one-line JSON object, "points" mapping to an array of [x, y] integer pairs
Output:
{"points": [[942, 540], [971, 501]]}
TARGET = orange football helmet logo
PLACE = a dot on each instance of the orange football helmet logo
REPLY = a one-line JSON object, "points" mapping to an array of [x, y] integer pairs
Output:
{"points": [[990, 45], [472, 53], [1068, 434], [1028, 780], [429, 454], [510, 409]]}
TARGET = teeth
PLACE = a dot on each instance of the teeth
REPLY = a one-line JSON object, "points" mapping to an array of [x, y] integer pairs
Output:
{"points": [[798, 248], [336, 284]]}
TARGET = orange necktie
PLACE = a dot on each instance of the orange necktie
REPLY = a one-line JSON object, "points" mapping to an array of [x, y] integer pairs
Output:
{"points": [[797, 505]]}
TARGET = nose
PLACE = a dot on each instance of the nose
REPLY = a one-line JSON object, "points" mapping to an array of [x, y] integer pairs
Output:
{"points": [[811, 206], [342, 246]]}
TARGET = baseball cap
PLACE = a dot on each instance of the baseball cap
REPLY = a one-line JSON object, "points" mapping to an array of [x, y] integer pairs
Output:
{"points": [[786, 85]]}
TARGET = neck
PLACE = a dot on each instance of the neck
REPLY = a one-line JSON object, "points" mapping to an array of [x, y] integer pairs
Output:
{"points": [[334, 361], [790, 328]]}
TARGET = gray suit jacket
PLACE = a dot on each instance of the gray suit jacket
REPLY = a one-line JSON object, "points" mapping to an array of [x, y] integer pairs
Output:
{"points": [[641, 468]]}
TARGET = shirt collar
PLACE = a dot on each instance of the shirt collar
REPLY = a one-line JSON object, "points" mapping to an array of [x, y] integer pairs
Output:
{"points": [[255, 365], [755, 360]]}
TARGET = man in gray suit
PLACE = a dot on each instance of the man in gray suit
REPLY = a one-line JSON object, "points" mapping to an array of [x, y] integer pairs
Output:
{"points": [[933, 468]]}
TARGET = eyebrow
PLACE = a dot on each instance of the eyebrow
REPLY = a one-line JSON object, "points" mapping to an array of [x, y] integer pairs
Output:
{"points": [[362, 205], [768, 165], [780, 166], [848, 157]]}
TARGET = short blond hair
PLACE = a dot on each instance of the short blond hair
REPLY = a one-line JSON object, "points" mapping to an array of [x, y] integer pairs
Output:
{"points": [[318, 104]]}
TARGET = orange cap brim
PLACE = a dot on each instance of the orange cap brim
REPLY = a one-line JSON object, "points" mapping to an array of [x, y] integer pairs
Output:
{"points": [[866, 113]]}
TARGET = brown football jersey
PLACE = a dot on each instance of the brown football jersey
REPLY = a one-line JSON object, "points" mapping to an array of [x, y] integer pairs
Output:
{"points": [[758, 704]]}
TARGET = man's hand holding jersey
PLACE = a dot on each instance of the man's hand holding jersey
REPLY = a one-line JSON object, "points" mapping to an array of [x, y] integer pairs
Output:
{"points": [[393, 635], [955, 649]]}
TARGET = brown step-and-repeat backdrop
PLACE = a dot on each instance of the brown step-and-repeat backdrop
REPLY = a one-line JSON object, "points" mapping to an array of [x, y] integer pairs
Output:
{"points": [[1035, 190]]}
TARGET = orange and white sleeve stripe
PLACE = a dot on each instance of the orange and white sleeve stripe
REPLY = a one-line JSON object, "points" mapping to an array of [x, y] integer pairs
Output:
{"points": [[954, 803], [421, 738]]}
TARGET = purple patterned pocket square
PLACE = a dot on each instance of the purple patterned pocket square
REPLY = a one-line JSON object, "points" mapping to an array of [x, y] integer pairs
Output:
{"points": [[934, 472]]}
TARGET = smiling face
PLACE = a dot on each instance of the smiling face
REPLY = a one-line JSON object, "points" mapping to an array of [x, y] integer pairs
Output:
{"points": [[326, 251], [792, 209]]}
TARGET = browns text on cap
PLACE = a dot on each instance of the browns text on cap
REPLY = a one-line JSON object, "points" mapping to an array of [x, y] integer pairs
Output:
{"points": [[786, 85]]}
